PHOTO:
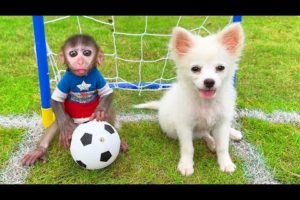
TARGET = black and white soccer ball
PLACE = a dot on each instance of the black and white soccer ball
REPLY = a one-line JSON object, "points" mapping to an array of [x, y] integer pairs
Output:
{"points": [[95, 145]]}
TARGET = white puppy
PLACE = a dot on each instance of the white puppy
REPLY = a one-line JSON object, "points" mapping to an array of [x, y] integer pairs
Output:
{"points": [[202, 101]]}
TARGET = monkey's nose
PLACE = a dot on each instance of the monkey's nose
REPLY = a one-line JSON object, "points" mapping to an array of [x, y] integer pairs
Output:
{"points": [[80, 60]]}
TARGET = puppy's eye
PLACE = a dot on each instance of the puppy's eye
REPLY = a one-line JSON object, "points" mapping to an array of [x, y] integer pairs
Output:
{"points": [[196, 69], [87, 52], [73, 53], [220, 68]]}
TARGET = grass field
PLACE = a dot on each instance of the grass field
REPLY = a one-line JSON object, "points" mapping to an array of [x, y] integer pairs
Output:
{"points": [[279, 144], [268, 80], [150, 160], [9, 142]]}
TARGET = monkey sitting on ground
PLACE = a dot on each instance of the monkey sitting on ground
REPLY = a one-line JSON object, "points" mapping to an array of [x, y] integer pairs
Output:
{"points": [[81, 95]]}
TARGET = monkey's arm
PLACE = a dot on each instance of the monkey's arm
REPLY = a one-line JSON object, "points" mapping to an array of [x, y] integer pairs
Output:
{"points": [[40, 152], [48, 136], [65, 123], [103, 111], [105, 102]]}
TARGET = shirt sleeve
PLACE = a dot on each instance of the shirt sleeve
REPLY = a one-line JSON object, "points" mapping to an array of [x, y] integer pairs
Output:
{"points": [[62, 89], [102, 86], [105, 90]]}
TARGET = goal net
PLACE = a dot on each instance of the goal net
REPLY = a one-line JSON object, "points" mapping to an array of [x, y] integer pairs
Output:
{"points": [[135, 47]]}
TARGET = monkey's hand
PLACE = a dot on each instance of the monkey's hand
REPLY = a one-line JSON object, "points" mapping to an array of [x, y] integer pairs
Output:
{"points": [[99, 115], [39, 153], [101, 112], [66, 130]]}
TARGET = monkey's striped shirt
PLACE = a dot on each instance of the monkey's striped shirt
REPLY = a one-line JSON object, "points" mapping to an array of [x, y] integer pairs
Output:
{"points": [[81, 94]]}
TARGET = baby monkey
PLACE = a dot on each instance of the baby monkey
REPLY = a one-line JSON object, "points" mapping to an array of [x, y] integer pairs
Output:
{"points": [[81, 95]]}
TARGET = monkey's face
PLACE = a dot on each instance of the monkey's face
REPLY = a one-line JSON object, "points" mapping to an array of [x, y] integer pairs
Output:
{"points": [[80, 59]]}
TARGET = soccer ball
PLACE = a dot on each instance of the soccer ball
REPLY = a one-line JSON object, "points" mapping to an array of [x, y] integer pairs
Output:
{"points": [[95, 145]]}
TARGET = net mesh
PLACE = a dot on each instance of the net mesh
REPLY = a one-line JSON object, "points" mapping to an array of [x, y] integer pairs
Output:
{"points": [[135, 47]]}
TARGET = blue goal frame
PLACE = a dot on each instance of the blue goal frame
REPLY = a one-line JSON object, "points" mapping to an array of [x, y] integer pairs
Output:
{"points": [[43, 73]]}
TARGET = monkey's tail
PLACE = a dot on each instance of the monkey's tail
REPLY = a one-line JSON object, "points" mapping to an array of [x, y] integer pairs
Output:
{"points": [[150, 105]]}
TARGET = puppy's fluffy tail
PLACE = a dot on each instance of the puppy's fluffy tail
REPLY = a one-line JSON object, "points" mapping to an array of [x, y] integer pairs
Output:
{"points": [[150, 105]]}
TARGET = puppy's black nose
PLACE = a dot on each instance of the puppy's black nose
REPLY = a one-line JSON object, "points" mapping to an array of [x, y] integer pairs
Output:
{"points": [[209, 83]]}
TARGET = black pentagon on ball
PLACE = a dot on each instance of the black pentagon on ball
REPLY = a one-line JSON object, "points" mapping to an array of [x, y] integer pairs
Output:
{"points": [[109, 129], [105, 156], [86, 139], [79, 162]]}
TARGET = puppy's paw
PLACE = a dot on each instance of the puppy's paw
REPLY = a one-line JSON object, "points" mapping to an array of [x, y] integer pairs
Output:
{"points": [[227, 166], [186, 168], [235, 134]]}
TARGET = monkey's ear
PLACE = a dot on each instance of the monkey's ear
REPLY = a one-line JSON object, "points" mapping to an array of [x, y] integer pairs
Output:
{"points": [[100, 57], [61, 57]]}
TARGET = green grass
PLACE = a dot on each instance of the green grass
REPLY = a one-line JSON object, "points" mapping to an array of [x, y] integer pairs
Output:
{"points": [[10, 139], [19, 82], [268, 79], [269, 64], [279, 144], [152, 159]]}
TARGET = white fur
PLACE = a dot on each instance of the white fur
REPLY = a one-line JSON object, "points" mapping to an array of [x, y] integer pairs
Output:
{"points": [[183, 113]]}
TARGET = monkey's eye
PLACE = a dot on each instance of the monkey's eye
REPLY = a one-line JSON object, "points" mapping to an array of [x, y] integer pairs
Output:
{"points": [[220, 68], [87, 52], [196, 69], [73, 53]]}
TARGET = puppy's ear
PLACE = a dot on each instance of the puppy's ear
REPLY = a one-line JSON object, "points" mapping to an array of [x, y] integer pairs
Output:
{"points": [[233, 38], [181, 41]]}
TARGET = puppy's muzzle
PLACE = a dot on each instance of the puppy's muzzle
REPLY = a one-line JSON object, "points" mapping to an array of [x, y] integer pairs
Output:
{"points": [[209, 83]]}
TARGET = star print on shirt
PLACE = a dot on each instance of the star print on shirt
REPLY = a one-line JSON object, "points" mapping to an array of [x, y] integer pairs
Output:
{"points": [[84, 86]]}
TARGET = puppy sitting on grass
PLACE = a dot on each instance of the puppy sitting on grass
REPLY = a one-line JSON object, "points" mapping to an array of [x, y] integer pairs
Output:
{"points": [[201, 104]]}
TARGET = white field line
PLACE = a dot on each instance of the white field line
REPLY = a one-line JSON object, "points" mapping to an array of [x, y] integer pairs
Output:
{"points": [[14, 172], [255, 168], [133, 118], [275, 117], [254, 164]]}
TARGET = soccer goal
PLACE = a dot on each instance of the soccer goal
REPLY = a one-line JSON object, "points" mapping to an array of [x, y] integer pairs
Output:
{"points": [[135, 47]]}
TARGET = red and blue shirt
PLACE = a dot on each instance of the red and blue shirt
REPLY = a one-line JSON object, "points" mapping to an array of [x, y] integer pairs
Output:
{"points": [[81, 94]]}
